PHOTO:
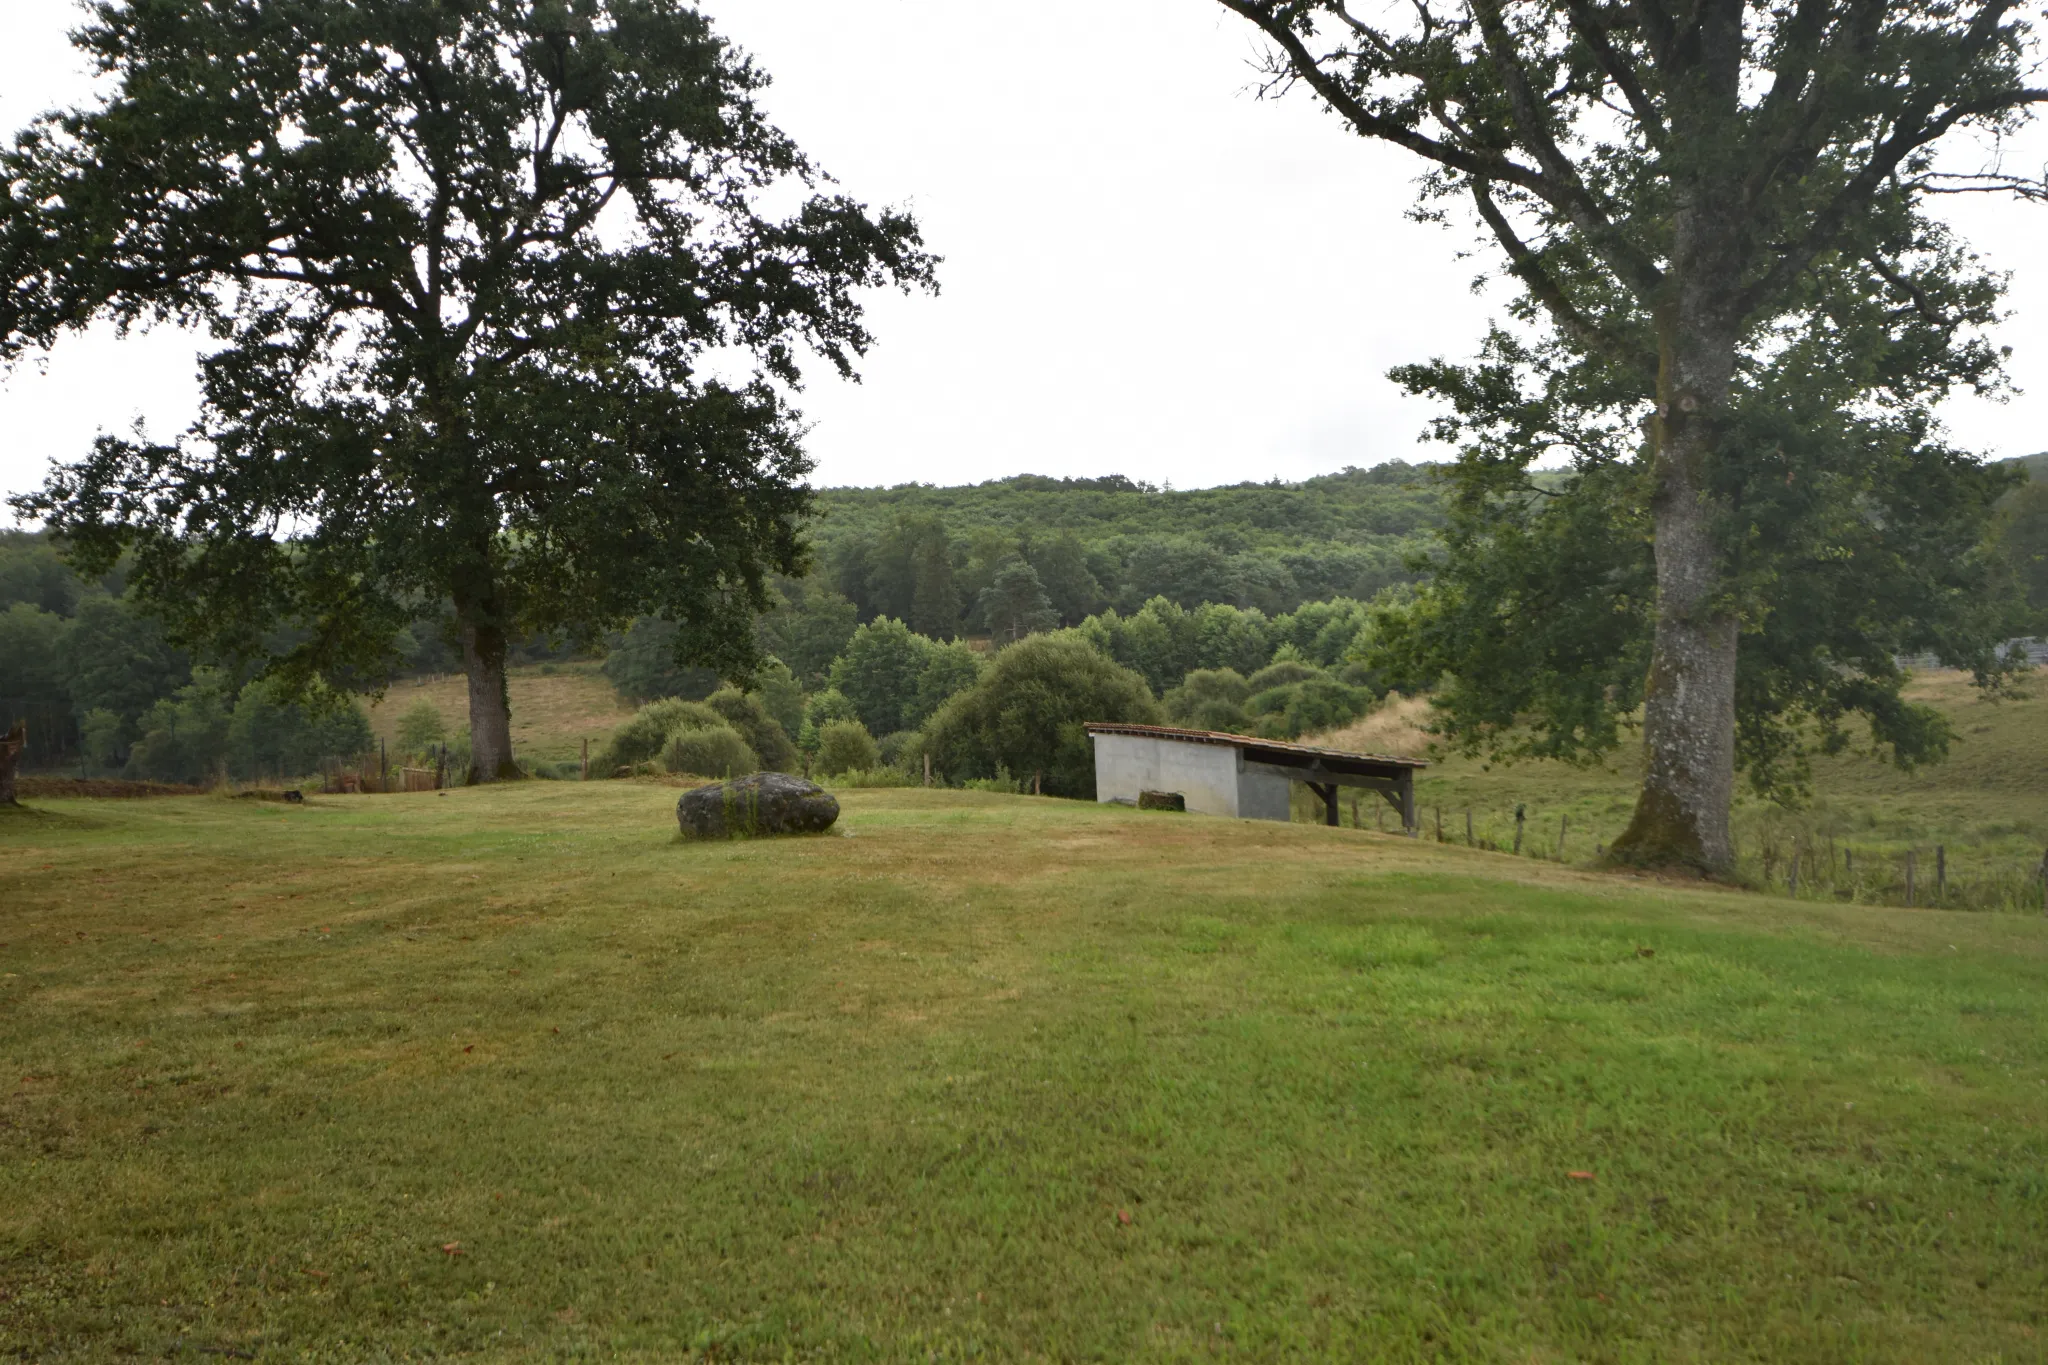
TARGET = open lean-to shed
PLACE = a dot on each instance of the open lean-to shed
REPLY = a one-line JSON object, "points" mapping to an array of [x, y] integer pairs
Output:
{"points": [[1241, 775]]}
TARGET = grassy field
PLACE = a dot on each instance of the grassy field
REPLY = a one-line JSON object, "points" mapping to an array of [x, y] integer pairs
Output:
{"points": [[555, 707], [512, 1075], [1986, 807]]}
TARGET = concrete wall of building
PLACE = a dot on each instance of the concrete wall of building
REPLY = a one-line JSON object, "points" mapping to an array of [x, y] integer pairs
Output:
{"points": [[1263, 795], [1206, 774]]}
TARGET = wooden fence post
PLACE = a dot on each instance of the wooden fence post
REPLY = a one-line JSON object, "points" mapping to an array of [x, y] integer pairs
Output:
{"points": [[927, 768], [1521, 814], [586, 758], [1792, 877], [1940, 873], [1563, 825], [1468, 827], [1909, 877], [1439, 824]]}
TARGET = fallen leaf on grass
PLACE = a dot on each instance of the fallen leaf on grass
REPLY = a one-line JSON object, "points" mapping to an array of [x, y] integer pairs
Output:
{"points": [[470, 1048], [1580, 1175], [1123, 1216], [452, 1248]]}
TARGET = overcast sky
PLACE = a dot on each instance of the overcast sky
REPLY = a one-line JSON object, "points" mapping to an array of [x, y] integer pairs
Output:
{"points": [[1148, 271]]}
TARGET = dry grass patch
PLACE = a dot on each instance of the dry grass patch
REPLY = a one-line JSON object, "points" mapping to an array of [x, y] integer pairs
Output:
{"points": [[552, 713]]}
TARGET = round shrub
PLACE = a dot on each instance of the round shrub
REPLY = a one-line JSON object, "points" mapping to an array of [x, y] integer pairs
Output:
{"points": [[1282, 673], [1028, 711], [647, 732], [845, 746], [745, 713], [716, 751]]}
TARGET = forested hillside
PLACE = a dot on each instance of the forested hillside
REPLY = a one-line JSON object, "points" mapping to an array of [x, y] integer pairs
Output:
{"points": [[936, 557]]}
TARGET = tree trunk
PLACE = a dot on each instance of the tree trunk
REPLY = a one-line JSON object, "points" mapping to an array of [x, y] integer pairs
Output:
{"points": [[1681, 816], [490, 710], [11, 746]]}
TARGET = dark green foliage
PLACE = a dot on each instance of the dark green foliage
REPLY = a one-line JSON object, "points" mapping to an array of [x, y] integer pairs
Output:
{"points": [[762, 732], [648, 731], [879, 673], [904, 749], [780, 694], [717, 751], [1061, 562], [1015, 604], [32, 655], [2022, 538], [273, 735], [1309, 704], [948, 669], [1027, 712], [641, 664], [429, 363], [1209, 699], [32, 573], [845, 746], [808, 629], [1282, 672], [184, 737], [1098, 543], [119, 662]]}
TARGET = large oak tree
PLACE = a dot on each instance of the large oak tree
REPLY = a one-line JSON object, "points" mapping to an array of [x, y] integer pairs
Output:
{"points": [[507, 298], [1688, 191]]}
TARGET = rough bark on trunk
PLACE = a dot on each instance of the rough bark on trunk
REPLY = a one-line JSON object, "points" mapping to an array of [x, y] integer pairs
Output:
{"points": [[11, 746], [490, 709], [1681, 815]]}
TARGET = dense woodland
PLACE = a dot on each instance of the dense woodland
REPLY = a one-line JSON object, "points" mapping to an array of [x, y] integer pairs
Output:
{"points": [[1241, 608]]}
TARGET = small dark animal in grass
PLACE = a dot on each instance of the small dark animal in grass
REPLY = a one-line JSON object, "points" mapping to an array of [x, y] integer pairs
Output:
{"points": [[294, 797], [759, 804]]}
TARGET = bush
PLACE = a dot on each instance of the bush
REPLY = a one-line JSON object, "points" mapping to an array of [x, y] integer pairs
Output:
{"points": [[1026, 715], [647, 733], [874, 777], [824, 708], [904, 749], [1202, 692], [1281, 673], [1317, 703], [845, 746], [762, 732], [714, 751]]}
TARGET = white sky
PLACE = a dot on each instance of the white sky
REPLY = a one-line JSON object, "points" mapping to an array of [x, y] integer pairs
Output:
{"points": [[1147, 270]]}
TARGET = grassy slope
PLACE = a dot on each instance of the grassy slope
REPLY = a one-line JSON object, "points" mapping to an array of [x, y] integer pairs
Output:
{"points": [[1988, 804], [552, 712], [891, 1095]]}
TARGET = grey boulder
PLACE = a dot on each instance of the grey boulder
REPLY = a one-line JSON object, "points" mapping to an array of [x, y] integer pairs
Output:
{"points": [[763, 803]]}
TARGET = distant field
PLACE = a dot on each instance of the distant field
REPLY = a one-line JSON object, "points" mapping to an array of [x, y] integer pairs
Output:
{"points": [[552, 712], [1987, 806], [511, 1075]]}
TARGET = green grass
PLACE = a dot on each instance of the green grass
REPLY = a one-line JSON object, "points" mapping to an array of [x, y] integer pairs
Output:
{"points": [[993, 1077]]}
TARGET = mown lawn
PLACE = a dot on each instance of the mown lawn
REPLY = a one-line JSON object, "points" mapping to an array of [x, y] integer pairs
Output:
{"points": [[514, 1075]]}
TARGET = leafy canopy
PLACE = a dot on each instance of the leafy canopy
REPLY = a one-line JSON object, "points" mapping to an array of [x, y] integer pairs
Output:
{"points": [[465, 266]]}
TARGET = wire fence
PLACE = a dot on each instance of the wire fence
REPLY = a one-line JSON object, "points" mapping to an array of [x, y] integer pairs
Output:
{"points": [[1918, 874]]}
